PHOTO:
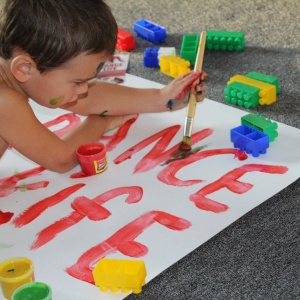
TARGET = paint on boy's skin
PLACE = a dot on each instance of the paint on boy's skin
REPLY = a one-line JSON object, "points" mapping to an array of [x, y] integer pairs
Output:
{"points": [[170, 104], [103, 113], [54, 101]]}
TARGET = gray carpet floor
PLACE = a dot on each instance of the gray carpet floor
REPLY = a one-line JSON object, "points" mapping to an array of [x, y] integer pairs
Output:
{"points": [[258, 256]]}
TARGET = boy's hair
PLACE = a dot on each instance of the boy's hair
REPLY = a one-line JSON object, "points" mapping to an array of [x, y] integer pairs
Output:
{"points": [[55, 31]]}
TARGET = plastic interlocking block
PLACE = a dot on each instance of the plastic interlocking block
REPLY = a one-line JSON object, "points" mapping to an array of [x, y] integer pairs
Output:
{"points": [[150, 31], [125, 40], [173, 65], [120, 274], [267, 91], [225, 40], [265, 78], [261, 123], [241, 94], [189, 47], [250, 140], [151, 57], [164, 51]]}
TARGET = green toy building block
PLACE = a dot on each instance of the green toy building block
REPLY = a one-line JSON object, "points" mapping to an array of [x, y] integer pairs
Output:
{"points": [[265, 78], [189, 47], [267, 91], [261, 123], [225, 40], [242, 94]]}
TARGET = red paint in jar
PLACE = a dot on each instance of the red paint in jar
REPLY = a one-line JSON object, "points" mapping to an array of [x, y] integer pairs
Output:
{"points": [[92, 158]]}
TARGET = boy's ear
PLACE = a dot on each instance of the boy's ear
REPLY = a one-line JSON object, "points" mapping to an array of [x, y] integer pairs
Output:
{"points": [[22, 67]]}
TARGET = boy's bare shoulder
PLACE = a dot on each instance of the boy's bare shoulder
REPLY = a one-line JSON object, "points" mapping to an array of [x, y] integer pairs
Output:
{"points": [[11, 99]]}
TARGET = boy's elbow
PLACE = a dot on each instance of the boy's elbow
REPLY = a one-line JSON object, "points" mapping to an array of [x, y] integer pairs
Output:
{"points": [[63, 169], [62, 166]]}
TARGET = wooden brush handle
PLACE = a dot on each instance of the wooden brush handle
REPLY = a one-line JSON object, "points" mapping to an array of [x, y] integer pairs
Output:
{"points": [[191, 109], [200, 52]]}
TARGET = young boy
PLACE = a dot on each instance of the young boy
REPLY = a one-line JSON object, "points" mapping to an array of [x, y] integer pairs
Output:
{"points": [[50, 51]]}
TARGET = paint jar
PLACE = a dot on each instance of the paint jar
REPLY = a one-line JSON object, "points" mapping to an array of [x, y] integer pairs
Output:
{"points": [[33, 291], [92, 158], [15, 272]]}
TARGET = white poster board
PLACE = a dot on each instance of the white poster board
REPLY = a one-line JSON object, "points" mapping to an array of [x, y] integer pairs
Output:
{"points": [[140, 207]]}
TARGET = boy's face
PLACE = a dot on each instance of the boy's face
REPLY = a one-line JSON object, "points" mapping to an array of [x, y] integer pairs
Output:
{"points": [[65, 84]]}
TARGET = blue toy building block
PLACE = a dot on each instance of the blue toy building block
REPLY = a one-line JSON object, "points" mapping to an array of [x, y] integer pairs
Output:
{"points": [[150, 31], [261, 123], [250, 140], [151, 57], [265, 78], [189, 47], [242, 94], [225, 40]]}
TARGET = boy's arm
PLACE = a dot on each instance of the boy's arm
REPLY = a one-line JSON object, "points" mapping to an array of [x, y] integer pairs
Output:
{"points": [[113, 99], [20, 128]]}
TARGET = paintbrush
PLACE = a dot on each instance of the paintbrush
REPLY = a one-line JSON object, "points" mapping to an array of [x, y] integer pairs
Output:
{"points": [[185, 145]]}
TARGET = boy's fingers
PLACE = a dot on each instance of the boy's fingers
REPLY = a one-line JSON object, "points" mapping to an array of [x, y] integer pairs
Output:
{"points": [[200, 97], [191, 77], [203, 75], [200, 87]]}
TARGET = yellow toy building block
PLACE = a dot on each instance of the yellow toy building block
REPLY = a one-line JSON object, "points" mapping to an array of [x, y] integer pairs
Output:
{"points": [[267, 91], [173, 65], [120, 274]]}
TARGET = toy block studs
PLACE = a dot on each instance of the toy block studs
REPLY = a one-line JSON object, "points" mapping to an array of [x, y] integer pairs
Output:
{"points": [[120, 274], [225, 40]]}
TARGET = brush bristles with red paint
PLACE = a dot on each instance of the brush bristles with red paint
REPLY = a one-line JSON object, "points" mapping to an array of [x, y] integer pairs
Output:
{"points": [[185, 145]]}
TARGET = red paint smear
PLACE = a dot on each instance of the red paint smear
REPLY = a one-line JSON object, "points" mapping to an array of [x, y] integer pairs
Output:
{"points": [[164, 137], [123, 241], [5, 217], [210, 205], [157, 154], [119, 136], [8, 184], [50, 232], [167, 175], [72, 118], [80, 175], [36, 209], [230, 181], [91, 208], [34, 186], [186, 88]]}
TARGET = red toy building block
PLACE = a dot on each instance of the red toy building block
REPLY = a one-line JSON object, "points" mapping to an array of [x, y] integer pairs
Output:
{"points": [[125, 41]]}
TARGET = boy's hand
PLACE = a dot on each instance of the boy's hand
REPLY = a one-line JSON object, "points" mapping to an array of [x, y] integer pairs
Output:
{"points": [[178, 91]]}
